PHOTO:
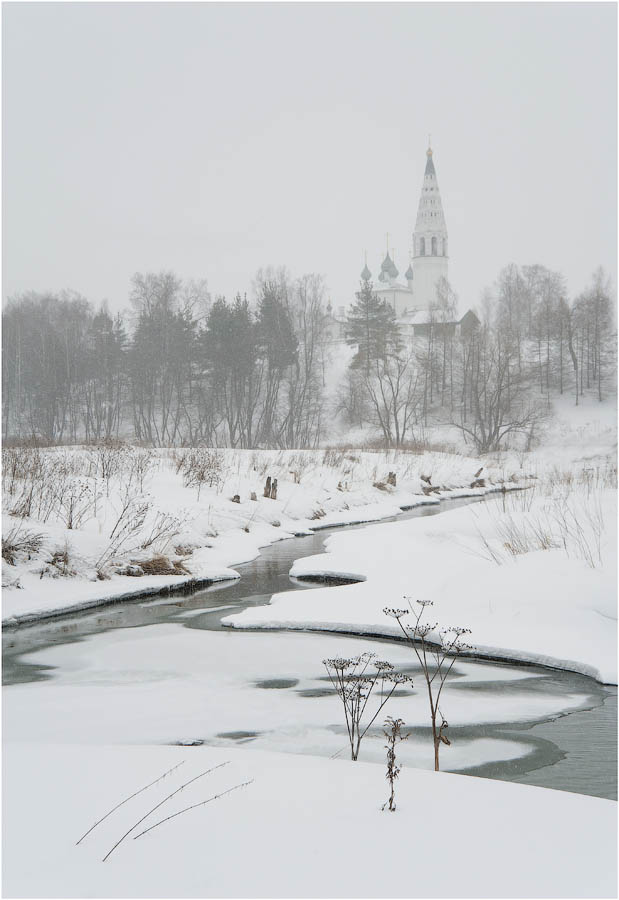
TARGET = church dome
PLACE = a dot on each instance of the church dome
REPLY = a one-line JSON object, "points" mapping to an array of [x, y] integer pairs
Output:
{"points": [[366, 274], [388, 266], [409, 273], [430, 170]]}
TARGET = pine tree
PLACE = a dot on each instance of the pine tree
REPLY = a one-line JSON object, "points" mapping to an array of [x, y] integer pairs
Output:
{"points": [[275, 333], [372, 327]]}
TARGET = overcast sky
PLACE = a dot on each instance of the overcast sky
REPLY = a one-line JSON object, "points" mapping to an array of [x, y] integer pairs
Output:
{"points": [[212, 139]]}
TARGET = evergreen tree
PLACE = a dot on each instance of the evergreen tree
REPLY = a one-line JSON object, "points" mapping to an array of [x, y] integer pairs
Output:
{"points": [[103, 370], [372, 327], [275, 333], [231, 353], [278, 349]]}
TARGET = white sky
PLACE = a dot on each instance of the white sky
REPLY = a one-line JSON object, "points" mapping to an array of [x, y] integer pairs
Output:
{"points": [[213, 139]]}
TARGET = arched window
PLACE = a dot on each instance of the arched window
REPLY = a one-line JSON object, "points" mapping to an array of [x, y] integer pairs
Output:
{"points": [[422, 246], [434, 247]]}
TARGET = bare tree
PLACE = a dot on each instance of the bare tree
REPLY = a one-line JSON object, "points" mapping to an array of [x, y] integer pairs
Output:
{"points": [[500, 402], [393, 394]]}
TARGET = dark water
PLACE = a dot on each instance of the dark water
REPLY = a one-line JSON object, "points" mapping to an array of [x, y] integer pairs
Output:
{"points": [[576, 751]]}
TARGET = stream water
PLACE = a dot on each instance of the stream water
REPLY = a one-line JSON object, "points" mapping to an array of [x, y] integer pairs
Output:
{"points": [[570, 743]]}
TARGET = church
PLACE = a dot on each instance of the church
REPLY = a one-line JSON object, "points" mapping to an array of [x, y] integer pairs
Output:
{"points": [[414, 299]]}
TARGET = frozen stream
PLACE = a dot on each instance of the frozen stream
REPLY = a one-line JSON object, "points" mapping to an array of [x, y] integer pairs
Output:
{"points": [[166, 671]]}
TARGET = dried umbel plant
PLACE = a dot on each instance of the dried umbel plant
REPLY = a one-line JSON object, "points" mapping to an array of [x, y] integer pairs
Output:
{"points": [[393, 733], [355, 680], [436, 660]]}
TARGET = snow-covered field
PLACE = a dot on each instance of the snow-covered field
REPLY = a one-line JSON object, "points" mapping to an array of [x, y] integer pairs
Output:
{"points": [[199, 527], [554, 606], [531, 572], [303, 827]]}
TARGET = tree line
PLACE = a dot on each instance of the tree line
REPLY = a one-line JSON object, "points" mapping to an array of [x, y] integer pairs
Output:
{"points": [[494, 379], [179, 368]]}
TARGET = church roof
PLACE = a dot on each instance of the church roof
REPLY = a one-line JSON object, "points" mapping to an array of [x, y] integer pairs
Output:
{"points": [[389, 287], [430, 215], [428, 316], [389, 267], [430, 170], [366, 274]]}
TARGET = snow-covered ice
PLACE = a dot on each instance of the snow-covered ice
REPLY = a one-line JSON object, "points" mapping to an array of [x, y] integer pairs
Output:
{"points": [[172, 683]]}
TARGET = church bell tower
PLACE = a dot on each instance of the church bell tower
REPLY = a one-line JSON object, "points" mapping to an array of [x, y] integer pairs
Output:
{"points": [[430, 258]]}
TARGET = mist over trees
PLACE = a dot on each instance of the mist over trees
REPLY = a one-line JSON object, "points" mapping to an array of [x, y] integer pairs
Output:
{"points": [[181, 368], [176, 369], [493, 380]]}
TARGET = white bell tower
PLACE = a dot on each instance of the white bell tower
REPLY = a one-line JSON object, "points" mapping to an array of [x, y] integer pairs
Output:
{"points": [[430, 258]]}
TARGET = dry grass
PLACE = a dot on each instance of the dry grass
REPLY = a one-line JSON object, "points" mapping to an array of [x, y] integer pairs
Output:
{"points": [[199, 466], [563, 511], [20, 542], [59, 565], [161, 565]]}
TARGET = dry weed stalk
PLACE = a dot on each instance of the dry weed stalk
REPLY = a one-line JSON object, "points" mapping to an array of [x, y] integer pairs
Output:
{"points": [[354, 684], [194, 806], [126, 800], [165, 799], [394, 735], [133, 512], [436, 660]]}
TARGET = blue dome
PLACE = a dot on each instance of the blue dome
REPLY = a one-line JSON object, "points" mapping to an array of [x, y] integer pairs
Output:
{"points": [[388, 266]]}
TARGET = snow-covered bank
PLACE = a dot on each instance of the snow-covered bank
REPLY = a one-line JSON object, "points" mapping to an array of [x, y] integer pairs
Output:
{"points": [[554, 606], [197, 531], [57, 601], [300, 829]]}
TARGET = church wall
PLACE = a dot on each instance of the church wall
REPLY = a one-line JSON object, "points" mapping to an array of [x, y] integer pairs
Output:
{"points": [[428, 270], [398, 300]]}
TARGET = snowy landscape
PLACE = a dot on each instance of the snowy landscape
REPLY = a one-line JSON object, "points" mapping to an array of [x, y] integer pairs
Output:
{"points": [[134, 702], [309, 552]]}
